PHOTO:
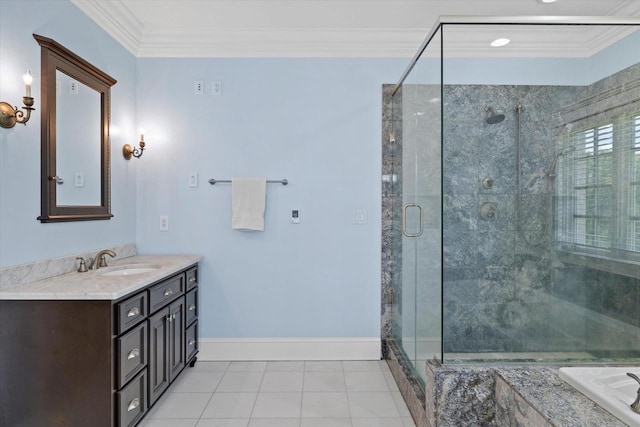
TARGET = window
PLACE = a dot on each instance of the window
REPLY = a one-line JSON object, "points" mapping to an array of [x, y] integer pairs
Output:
{"points": [[631, 237], [598, 188]]}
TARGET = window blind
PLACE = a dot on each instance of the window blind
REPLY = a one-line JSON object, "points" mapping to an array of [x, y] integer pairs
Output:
{"points": [[598, 187], [630, 227], [586, 169]]}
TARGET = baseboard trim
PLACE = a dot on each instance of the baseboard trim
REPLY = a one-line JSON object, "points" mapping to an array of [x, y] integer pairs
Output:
{"points": [[215, 349]]}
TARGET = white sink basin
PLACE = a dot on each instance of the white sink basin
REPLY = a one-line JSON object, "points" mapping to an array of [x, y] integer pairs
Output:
{"points": [[128, 269], [609, 387]]}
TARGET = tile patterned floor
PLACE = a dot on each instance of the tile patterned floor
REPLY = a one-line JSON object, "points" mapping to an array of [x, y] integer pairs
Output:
{"points": [[282, 394]]}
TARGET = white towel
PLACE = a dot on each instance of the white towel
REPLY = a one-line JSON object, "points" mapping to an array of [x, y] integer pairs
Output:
{"points": [[248, 199]]}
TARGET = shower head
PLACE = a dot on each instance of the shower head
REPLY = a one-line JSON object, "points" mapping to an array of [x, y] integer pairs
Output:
{"points": [[493, 117]]}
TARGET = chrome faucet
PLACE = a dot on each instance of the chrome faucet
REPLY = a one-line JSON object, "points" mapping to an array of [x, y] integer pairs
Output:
{"points": [[99, 260], [635, 406]]}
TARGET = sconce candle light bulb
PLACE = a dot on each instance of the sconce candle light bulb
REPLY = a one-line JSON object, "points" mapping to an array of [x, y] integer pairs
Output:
{"points": [[9, 115], [28, 79], [141, 143]]}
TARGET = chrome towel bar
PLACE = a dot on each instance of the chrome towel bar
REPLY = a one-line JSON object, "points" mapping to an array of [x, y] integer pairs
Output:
{"points": [[269, 181]]}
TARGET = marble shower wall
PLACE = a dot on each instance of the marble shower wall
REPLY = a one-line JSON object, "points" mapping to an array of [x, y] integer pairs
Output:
{"points": [[505, 287], [495, 269]]}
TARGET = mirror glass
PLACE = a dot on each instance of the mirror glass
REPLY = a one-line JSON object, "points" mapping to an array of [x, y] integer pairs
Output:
{"points": [[76, 100], [78, 142]]}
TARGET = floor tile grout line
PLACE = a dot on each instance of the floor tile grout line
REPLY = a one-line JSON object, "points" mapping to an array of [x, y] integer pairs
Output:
{"points": [[253, 408], [213, 394], [346, 392], [348, 402]]}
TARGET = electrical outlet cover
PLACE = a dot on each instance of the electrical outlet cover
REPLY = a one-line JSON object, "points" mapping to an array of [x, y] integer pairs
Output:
{"points": [[164, 223], [216, 88]]}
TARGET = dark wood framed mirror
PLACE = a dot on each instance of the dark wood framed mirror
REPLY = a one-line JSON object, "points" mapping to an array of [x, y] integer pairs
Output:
{"points": [[75, 154]]}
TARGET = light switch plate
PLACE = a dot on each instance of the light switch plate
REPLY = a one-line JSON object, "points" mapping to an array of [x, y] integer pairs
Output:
{"points": [[359, 217], [193, 179], [198, 87], [295, 216], [79, 179]]}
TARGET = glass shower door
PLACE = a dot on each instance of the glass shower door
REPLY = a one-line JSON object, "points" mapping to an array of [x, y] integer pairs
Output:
{"points": [[421, 260], [412, 230]]}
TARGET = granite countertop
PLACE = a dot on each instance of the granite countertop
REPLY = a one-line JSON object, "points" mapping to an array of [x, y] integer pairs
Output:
{"points": [[508, 395], [93, 285], [556, 400]]}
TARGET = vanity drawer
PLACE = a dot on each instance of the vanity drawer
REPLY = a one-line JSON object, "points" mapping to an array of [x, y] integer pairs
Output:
{"points": [[132, 401], [191, 341], [192, 278], [165, 292], [132, 354], [131, 311], [191, 308]]}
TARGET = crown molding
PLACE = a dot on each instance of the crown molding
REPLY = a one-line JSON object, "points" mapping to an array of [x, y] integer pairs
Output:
{"points": [[116, 19], [277, 42], [394, 40], [577, 42]]}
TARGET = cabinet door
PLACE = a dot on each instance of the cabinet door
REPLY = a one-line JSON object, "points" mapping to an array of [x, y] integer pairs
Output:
{"points": [[176, 338], [158, 352]]}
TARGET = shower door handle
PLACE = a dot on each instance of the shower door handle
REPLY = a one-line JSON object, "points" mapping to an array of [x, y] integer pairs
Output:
{"points": [[404, 219]]}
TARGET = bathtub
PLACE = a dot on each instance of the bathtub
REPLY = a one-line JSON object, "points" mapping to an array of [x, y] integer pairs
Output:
{"points": [[609, 387]]}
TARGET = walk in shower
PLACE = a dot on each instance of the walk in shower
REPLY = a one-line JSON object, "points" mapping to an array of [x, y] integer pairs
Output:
{"points": [[511, 194]]}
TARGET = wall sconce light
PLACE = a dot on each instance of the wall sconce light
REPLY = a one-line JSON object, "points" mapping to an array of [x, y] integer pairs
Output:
{"points": [[9, 115], [129, 151]]}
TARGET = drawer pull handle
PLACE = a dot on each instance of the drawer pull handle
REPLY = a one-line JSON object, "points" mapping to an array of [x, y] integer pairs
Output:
{"points": [[192, 279], [133, 312], [168, 292], [192, 341], [169, 318], [174, 317], [133, 404], [192, 307], [133, 354]]}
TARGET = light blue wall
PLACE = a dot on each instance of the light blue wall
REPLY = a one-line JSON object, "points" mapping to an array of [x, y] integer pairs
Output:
{"points": [[22, 237], [616, 57], [315, 122]]}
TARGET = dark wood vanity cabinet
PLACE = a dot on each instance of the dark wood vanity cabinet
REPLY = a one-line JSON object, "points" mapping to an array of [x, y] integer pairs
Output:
{"points": [[95, 362], [167, 348], [167, 351]]}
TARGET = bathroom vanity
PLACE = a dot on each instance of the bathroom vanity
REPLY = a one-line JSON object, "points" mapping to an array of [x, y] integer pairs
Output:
{"points": [[97, 348]]}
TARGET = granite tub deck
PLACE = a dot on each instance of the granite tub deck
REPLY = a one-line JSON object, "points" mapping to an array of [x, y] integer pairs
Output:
{"points": [[511, 396]]}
